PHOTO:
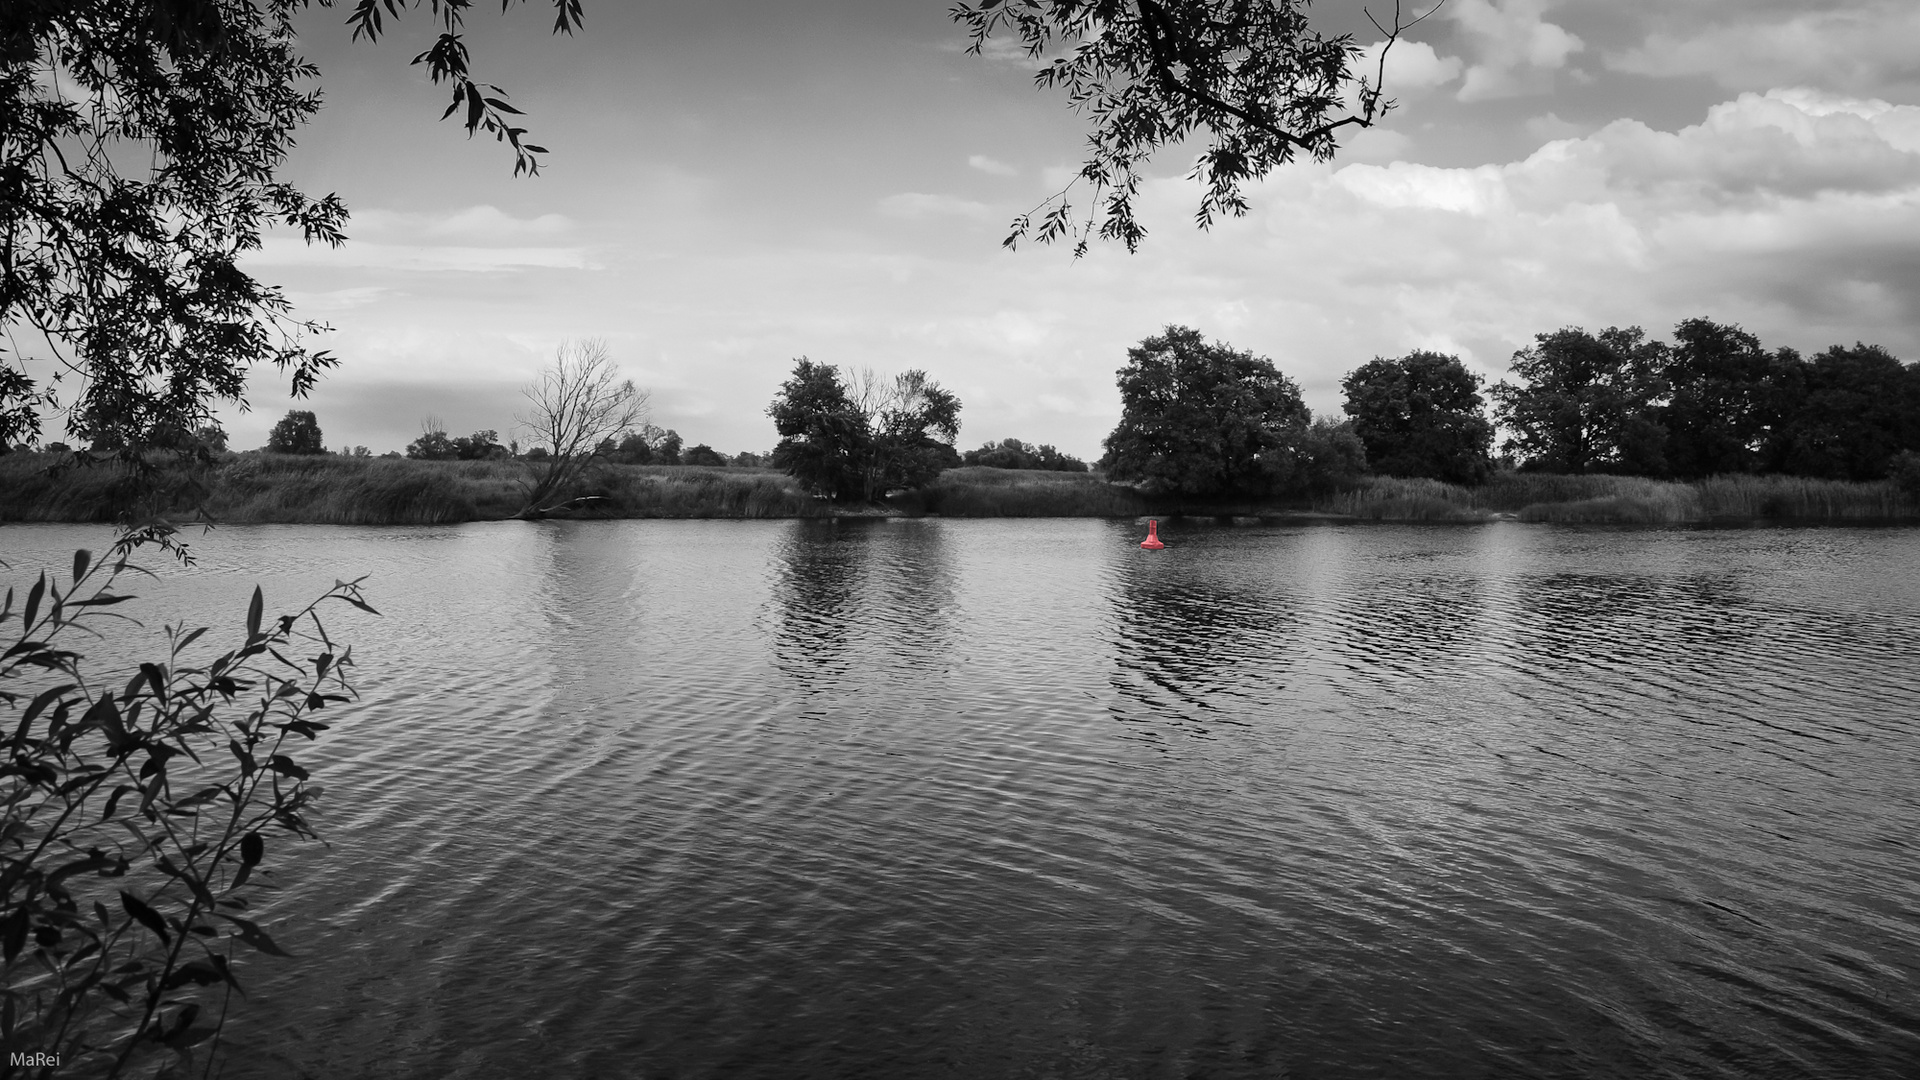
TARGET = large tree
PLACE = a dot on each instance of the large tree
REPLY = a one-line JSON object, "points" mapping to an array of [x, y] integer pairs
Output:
{"points": [[579, 407], [1586, 402], [1844, 415], [1421, 415], [298, 432], [823, 435], [1719, 404], [858, 437], [1200, 418]]}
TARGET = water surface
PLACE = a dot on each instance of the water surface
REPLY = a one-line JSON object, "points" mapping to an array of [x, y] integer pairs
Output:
{"points": [[983, 799]]}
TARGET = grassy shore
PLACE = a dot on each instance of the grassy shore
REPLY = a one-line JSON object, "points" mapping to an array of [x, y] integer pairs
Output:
{"points": [[1628, 500], [327, 489], [979, 491]]}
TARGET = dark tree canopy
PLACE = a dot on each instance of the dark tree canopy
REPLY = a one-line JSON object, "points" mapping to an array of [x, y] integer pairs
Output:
{"points": [[1585, 405], [1253, 78], [140, 146], [823, 436], [1014, 454], [298, 432], [1421, 415], [859, 438], [1844, 415], [1199, 418], [702, 454], [1718, 401]]}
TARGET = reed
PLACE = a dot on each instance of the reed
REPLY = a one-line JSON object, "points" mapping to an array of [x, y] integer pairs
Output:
{"points": [[327, 489], [1676, 506], [982, 491], [688, 491], [1797, 498], [1390, 498]]}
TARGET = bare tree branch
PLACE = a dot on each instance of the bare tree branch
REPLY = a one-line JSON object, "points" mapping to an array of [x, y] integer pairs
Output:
{"points": [[579, 404]]}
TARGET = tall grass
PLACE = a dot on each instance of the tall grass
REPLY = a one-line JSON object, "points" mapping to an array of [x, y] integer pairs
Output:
{"points": [[327, 489], [1795, 498], [1625, 500], [1388, 498], [981, 491]]}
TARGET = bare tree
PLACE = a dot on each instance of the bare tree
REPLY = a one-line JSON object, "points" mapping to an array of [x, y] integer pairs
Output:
{"points": [[579, 407]]}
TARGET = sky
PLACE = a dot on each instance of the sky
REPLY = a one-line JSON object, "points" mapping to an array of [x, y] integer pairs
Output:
{"points": [[734, 184]]}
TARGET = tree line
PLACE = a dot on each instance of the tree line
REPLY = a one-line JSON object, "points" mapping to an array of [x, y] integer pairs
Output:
{"points": [[1200, 418]]}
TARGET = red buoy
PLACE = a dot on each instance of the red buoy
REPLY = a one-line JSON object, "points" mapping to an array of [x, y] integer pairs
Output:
{"points": [[1152, 542]]}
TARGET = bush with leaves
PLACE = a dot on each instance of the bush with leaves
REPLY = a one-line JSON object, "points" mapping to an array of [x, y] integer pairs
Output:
{"points": [[1200, 418], [1014, 454], [298, 432], [135, 818]]}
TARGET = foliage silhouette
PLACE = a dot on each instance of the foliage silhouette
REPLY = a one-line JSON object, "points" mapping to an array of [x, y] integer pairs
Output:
{"points": [[862, 436], [1421, 415], [1014, 454], [135, 819], [298, 432], [1256, 78], [1198, 418], [1586, 405]]}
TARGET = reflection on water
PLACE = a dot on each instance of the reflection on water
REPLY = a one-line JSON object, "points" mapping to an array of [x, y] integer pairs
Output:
{"points": [[918, 798]]}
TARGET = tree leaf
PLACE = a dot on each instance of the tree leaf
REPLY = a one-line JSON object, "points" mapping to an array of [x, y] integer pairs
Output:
{"points": [[148, 917], [251, 933], [33, 602]]}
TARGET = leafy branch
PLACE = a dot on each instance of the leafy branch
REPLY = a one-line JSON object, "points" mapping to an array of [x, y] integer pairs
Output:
{"points": [[135, 819], [1253, 74]]}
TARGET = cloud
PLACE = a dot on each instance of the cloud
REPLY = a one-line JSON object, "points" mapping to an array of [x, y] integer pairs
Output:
{"points": [[1377, 145], [472, 226], [1549, 127], [1515, 49], [913, 205], [1413, 68], [475, 239], [988, 165], [1794, 213], [277, 251], [338, 299], [1858, 47]]}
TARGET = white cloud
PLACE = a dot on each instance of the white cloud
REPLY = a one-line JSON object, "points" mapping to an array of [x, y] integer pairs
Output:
{"points": [[474, 226], [1795, 213], [289, 252], [1548, 127], [1842, 46], [1376, 145], [914, 205], [1412, 67], [988, 165], [1515, 49], [475, 239]]}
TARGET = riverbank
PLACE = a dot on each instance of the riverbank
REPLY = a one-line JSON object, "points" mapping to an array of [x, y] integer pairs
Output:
{"points": [[256, 488], [1627, 500]]}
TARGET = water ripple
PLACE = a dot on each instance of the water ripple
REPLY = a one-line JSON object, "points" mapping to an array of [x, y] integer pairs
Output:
{"points": [[893, 799]]}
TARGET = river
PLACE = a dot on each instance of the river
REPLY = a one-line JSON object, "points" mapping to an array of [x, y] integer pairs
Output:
{"points": [[922, 798]]}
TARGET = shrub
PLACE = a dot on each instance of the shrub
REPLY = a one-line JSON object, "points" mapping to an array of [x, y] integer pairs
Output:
{"points": [[1904, 471], [133, 817], [298, 432]]}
